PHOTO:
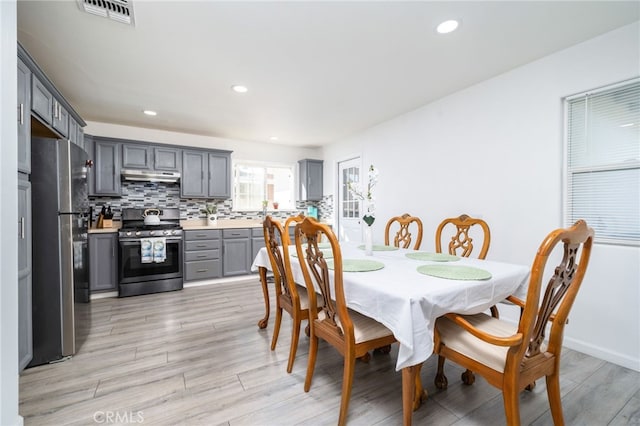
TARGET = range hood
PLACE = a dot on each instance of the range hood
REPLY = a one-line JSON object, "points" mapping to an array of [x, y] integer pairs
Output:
{"points": [[149, 176]]}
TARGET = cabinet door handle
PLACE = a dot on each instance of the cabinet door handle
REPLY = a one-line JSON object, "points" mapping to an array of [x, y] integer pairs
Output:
{"points": [[22, 228], [21, 114], [202, 255], [201, 245], [201, 235], [202, 270]]}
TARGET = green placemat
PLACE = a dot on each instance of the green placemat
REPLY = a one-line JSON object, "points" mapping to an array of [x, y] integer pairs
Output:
{"points": [[380, 247], [434, 257], [455, 272], [326, 253], [358, 265]]}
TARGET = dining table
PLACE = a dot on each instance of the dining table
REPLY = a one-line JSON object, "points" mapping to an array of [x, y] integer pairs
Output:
{"points": [[407, 290]]}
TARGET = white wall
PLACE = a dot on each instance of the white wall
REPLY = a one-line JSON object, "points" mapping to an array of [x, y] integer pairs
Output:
{"points": [[8, 217], [242, 150], [495, 150]]}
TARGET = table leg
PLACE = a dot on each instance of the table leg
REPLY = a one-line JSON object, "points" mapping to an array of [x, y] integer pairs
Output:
{"points": [[265, 292], [413, 394]]}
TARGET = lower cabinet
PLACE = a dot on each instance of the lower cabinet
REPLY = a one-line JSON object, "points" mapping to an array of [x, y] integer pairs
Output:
{"points": [[103, 262], [236, 252], [202, 255], [257, 242]]}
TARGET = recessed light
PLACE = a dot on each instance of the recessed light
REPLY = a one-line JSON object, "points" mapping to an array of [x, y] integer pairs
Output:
{"points": [[273, 138], [149, 112], [447, 26], [239, 89]]}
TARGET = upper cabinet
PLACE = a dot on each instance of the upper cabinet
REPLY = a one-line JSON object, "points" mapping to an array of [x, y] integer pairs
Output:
{"points": [[135, 156], [24, 118], [41, 101], [106, 167], [167, 159], [45, 102], [310, 180], [146, 156], [206, 174], [219, 175]]}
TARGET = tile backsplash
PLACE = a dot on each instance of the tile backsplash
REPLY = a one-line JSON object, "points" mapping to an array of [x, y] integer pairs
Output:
{"points": [[167, 195]]}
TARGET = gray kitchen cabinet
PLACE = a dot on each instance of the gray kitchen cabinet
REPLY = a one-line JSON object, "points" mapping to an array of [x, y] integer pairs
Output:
{"points": [[60, 119], [257, 242], [219, 175], [166, 159], [195, 167], [136, 156], [236, 252], [206, 174], [106, 167], [103, 262], [73, 131], [25, 332], [311, 176], [80, 137], [41, 100], [24, 118], [91, 177], [202, 254]]}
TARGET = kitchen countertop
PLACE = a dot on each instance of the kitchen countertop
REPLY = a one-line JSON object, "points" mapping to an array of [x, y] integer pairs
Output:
{"points": [[197, 224], [114, 228], [194, 224]]}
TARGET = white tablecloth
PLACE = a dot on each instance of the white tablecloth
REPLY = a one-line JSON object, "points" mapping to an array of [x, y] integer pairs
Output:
{"points": [[408, 302]]}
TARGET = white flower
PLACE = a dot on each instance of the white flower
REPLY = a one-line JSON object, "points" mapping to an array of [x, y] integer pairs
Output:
{"points": [[366, 195]]}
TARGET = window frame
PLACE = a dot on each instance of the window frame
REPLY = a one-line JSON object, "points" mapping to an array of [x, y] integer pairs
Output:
{"points": [[569, 171], [264, 165]]}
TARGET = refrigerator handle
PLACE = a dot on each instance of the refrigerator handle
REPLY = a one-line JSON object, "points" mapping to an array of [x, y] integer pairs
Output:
{"points": [[22, 228]]}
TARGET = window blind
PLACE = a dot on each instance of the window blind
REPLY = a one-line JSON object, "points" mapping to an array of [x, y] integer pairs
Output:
{"points": [[603, 162]]}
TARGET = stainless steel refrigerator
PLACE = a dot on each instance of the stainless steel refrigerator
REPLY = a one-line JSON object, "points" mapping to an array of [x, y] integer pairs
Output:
{"points": [[60, 255]]}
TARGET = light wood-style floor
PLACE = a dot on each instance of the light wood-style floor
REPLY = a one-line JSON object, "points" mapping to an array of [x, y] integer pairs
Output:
{"points": [[197, 357]]}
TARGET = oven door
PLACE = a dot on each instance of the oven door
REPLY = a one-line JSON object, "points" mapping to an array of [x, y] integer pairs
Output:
{"points": [[132, 270]]}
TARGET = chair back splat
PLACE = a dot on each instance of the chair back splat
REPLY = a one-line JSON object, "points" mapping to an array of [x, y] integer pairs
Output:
{"points": [[461, 243], [403, 236]]}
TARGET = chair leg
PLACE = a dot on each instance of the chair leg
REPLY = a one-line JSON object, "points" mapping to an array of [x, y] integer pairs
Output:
{"points": [[276, 328], [468, 378], [553, 393], [347, 383], [441, 381], [511, 400], [295, 335], [311, 365]]}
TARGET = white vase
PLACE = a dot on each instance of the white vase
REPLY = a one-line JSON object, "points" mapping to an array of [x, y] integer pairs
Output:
{"points": [[212, 220], [368, 241]]}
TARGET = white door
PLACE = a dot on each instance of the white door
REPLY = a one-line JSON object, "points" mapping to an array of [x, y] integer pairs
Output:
{"points": [[349, 208]]}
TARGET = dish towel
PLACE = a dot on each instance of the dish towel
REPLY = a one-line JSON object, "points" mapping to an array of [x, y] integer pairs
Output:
{"points": [[159, 250], [153, 250], [146, 250]]}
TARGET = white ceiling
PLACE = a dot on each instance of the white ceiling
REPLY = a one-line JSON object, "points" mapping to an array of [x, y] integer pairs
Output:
{"points": [[316, 71]]}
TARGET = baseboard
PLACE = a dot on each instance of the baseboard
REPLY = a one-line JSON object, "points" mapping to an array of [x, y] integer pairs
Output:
{"points": [[104, 295], [598, 352]]}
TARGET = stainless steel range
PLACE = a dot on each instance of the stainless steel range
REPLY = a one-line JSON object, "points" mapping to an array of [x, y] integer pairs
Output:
{"points": [[150, 253]]}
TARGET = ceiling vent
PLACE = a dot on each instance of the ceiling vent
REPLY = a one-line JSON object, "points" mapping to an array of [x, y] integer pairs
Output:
{"points": [[117, 10]]}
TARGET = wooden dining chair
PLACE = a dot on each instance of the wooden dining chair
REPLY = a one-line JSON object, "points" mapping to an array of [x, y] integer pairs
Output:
{"points": [[511, 357], [461, 243], [351, 333], [289, 296], [403, 237]]}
